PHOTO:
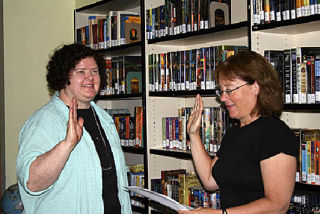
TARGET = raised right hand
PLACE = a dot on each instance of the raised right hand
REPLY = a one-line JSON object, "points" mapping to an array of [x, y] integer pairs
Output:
{"points": [[194, 121], [75, 126]]}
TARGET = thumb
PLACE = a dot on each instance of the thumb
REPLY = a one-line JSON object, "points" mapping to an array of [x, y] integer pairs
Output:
{"points": [[80, 121]]}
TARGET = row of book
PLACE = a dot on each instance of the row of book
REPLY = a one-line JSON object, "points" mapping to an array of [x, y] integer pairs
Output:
{"points": [[215, 122], [130, 129], [299, 72], [181, 16], [308, 170], [187, 70], [185, 187], [136, 178], [304, 203], [123, 75], [266, 11], [113, 29]]}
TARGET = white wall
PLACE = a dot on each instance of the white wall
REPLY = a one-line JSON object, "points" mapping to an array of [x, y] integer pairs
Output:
{"points": [[81, 3], [32, 28]]}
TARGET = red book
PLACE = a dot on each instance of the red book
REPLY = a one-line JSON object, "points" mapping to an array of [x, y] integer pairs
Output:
{"points": [[138, 112]]}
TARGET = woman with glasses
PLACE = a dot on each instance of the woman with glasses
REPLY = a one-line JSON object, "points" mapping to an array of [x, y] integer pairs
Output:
{"points": [[255, 167], [70, 159]]}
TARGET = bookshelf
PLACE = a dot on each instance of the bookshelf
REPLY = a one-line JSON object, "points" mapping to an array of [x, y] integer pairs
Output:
{"points": [[157, 104], [286, 34], [166, 103]]}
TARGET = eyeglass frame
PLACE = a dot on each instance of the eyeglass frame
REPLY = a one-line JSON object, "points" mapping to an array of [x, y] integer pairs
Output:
{"points": [[227, 91]]}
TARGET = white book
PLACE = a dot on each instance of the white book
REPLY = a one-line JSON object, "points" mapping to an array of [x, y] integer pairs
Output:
{"points": [[160, 198]]}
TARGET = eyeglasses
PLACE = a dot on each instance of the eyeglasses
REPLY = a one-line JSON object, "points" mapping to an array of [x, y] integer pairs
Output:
{"points": [[227, 91]]}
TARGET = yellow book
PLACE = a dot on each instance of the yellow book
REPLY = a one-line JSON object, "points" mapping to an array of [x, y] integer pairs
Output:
{"points": [[187, 180]]}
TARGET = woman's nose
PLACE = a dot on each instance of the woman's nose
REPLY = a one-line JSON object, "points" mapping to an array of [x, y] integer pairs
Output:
{"points": [[223, 97], [90, 75]]}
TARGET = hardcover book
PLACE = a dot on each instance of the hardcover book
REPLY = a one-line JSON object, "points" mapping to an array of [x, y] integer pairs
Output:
{"points": [[220, 12], [132, 28]]}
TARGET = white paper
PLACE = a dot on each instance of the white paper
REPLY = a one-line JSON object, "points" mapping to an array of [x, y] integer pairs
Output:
{"points": [[162, 199]]}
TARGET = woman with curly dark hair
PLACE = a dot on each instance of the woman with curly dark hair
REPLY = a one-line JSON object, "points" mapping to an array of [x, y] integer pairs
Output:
{"points": [[255, 167], [70, 159]]}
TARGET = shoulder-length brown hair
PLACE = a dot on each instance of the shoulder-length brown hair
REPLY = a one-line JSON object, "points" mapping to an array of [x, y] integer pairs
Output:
{"points": [[251, 67]]}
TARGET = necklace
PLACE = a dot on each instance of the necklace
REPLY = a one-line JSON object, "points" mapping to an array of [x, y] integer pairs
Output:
{"points": [[102, 139]]}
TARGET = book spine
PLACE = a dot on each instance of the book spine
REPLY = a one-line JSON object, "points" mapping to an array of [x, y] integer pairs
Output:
{"points": [[168, 72], [171, 69], [312, 79], [183, 70], [162, 20], [203, 68], [164, 133], [150, 71], [178, 70], [266, 11], [298, 9], [193, 58], [261, 12], [287, 77], [187, 70], [162, 85], [303, 161], [303, 79], [138, 125], [198, 68], [156, 72], [309, 78], [213, 66], [295, 95], [177, 142], [317, 78], [308, 162], [293, 13], [118, 78], [312, 164], [122, 75], [278, 10], [208, 68], [153, 23], [317, 162]]}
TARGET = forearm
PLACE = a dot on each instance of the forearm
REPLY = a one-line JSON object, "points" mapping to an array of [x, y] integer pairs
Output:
{"points": [[203, 162], [46, 168], [261, 206]]}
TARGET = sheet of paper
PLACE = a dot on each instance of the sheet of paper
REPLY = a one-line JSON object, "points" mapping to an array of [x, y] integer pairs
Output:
{"points": [[162, 199]]}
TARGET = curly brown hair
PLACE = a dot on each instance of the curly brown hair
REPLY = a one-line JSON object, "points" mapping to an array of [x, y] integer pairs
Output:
{"points": [[65, 58], [251, 67]]}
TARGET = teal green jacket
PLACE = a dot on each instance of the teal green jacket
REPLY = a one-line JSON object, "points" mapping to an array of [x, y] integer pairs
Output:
{"points": [[78, 189]]}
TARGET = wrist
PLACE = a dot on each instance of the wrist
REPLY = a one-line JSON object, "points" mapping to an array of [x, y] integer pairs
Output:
{"points": [[194, 136], [67, 145]]}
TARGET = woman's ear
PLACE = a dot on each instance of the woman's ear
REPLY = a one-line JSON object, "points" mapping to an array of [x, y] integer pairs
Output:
{"points": [[256, 88]]}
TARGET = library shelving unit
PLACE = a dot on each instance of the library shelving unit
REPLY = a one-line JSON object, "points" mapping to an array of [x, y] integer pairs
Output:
{"points": [[133, 155], [166, 103], [286, 34]]}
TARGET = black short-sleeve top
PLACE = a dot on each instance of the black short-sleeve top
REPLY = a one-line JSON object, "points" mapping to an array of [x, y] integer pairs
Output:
{"points": [[237, 170]]}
